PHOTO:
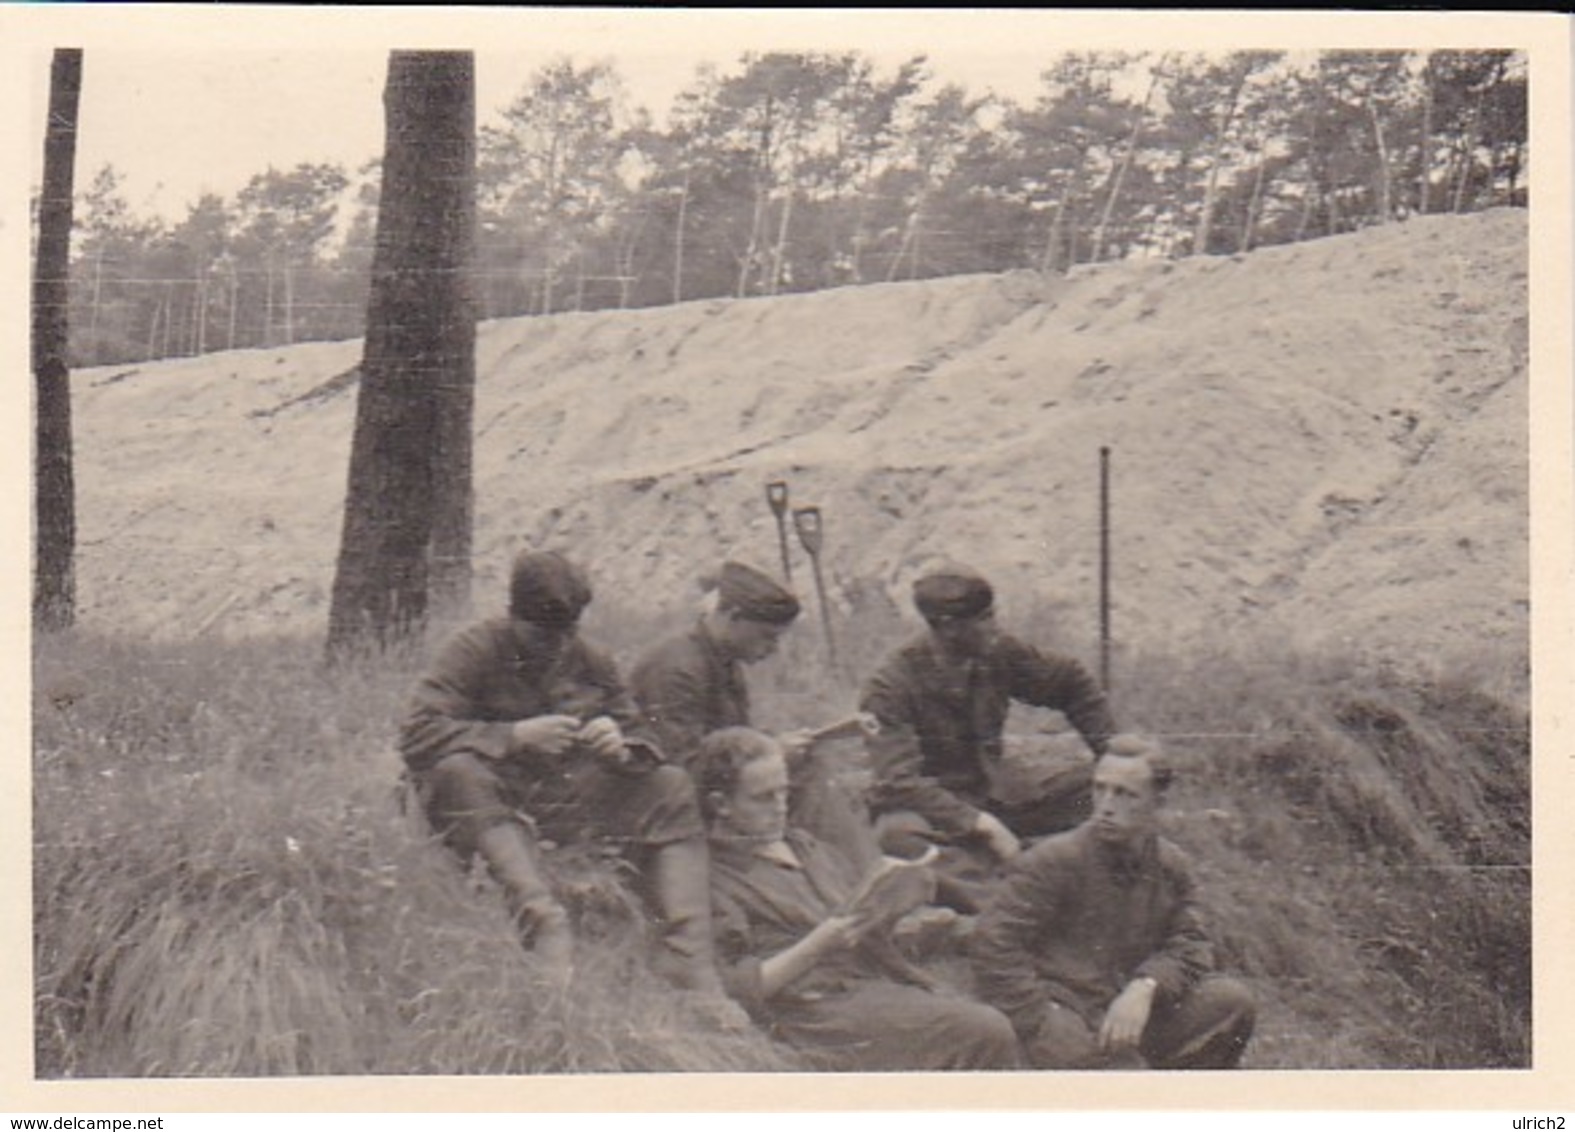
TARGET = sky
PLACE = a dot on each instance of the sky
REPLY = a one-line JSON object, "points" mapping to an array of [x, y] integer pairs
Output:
{"points": [[203, 97], [171, 122], [176, 122]]}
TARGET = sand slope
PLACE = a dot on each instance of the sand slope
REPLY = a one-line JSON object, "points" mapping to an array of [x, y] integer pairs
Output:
{"points": [[1323, 442]]}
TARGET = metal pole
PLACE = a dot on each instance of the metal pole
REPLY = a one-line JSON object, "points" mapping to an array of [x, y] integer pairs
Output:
{"points": [[1104, 569], [777, 496], [806, 520]]}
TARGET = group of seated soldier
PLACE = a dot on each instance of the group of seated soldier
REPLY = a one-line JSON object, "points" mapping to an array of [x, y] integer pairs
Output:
{"points": [[778, 897]]}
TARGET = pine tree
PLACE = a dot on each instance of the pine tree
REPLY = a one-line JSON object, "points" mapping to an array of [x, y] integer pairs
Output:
{"points": [[405, 545], [54, 566]]}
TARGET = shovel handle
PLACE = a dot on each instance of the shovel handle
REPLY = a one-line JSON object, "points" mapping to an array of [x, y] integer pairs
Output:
{"points": [[777, 496], [806, 521]]}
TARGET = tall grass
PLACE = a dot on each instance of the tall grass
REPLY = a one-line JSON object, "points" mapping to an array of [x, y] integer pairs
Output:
{"points": [[1364, 841], [224, 884]]}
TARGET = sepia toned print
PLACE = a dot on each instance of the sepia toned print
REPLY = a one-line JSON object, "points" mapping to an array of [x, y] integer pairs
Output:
{"points": [[417, 509]]}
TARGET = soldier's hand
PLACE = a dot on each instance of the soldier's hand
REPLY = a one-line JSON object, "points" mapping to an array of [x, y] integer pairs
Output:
{"points": [[796, 744], [603, 738], [546, 734], [1127, 1017], [1002, 841], [838, 933]]}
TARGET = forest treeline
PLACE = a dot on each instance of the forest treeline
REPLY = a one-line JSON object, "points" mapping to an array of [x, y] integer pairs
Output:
{"points": [[795, 171]]}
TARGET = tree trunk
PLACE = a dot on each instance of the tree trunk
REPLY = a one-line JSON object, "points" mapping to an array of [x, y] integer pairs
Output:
{"points": [[1205, 229], [762, 193], [54, 500], [1254, 202], [752, 250], [152, 350], [289, 304], [1311, 197], [235, 294], [98, 284], [549, 277], [1385, 205], [169, 346], [910, 231], [406, 541], [1098, 251], [267, 336], [202, 314], [861, 222], [1424, 181], [678, 242], [1126, 162], [1468, 155], [779, 251], [189, 347], [1052, 250], [624, 258]]}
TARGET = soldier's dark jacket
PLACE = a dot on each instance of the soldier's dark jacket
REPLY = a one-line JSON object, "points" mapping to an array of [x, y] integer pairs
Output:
{"points": [[941, 723], [1074, 921], [687, 689], [482, 681], [865, 1008]]}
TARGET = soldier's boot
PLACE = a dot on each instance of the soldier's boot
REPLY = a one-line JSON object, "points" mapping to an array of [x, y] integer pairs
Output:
{"points": [[542, 922], [679, 885]]}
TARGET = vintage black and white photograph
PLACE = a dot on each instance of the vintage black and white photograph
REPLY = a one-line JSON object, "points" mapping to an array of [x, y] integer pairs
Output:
{"points": [[624, 543]]}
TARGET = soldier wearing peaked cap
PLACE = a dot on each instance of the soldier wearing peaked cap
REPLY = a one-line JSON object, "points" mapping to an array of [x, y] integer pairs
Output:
{"points": [[692, 684], [942, 701], [755, 595], [521, 726]]}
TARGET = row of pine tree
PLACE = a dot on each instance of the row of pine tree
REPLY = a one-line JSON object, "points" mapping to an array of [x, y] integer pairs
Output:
{"points": [[798, 171]]}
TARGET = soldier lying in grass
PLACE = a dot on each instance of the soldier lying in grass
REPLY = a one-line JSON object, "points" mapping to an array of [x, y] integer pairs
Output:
{"points": [[806, 949]]}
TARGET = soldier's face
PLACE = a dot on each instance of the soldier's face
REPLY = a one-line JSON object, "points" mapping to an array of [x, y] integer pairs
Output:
{"points": [[754, 640], [965, 637], [1125, 800], [545, 643], [757, 810]]}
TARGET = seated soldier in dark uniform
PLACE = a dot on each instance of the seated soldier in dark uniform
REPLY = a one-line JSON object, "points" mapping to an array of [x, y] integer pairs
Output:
{"points": [[807, 957], [693, 683], [522, 730], [941, 702], [1094, 944]]}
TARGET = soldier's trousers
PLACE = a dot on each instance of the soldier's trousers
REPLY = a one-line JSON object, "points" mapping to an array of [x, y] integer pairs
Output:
{"points": [[1207, 1028], [880, 1025], [644, 809]]}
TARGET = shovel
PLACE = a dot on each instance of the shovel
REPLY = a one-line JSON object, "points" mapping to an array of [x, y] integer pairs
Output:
{"points": [[806, 521], [777, 496]]}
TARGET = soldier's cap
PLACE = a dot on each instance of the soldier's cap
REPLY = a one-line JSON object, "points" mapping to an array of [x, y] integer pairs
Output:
{"points": [[755, 595], [952, 592], [545, 588]]}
